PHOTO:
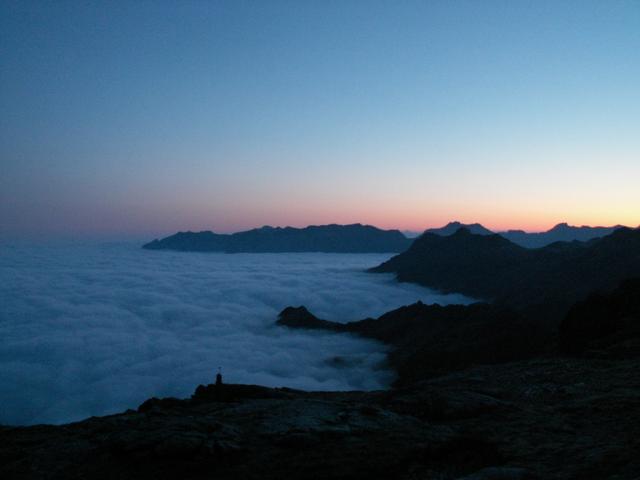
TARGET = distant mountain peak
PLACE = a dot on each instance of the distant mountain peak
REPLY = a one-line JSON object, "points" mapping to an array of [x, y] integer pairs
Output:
{"points": [[453, 227], [562, 232], [561, 226]]}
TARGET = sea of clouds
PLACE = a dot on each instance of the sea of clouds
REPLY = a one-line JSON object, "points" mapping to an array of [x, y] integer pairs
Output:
{"points": [[96, 328]]}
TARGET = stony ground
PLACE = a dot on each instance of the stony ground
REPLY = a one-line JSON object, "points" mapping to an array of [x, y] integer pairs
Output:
{"points": [[565, 418]]}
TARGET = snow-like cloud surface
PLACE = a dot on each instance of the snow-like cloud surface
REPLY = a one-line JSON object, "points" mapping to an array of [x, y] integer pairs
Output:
{"points": [[95, 329]]}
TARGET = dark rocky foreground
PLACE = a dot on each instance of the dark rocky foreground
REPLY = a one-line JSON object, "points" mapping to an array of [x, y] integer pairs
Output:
{"points": [[550, 416], [568, 418], [483, 392]]}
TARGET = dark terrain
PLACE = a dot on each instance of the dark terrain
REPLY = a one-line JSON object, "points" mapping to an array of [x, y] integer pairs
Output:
{"points": [[325, 238], [430, 340], [544, 281], [488, 391], [549, 416], [562, 232], [452, 227]]}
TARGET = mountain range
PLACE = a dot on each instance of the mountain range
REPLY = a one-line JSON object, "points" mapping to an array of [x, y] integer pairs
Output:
{"points": [[562, 232], [452, 227], [354, 238], [492, 268]]}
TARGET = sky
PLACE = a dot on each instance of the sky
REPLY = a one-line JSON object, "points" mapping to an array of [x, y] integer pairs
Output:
{"points": [[144, 118]]}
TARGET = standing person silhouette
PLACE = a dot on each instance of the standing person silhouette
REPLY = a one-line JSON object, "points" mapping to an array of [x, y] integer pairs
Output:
{"points": [[219, 378]]}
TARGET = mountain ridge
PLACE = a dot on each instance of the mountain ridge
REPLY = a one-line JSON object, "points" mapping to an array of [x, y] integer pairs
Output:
{"points": [[430, 340], [332, 238], [561, 232], [493, 268]]}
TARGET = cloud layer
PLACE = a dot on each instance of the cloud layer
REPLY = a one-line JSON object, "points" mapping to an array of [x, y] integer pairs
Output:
{"points": [[92, 329]]}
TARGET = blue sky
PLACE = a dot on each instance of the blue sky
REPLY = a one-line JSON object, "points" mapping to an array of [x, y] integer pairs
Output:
{"points": [[129, 118]]}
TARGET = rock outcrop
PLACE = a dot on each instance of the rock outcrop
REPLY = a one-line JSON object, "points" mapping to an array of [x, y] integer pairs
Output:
{"points": [[429, 340]]}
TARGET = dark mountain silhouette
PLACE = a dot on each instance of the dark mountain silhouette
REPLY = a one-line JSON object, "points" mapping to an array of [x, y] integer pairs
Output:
{"points": [[605, 321], [355, 238], [411, 233], [560, 233], [452, 227], [431, 339], [461, 262], [491, 267]]}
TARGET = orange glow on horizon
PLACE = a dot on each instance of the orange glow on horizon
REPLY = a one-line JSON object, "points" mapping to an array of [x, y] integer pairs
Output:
{"points": [[497, 223]]}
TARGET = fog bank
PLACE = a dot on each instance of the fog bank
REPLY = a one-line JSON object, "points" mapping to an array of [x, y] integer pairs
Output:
{"points": [[95, 328]]}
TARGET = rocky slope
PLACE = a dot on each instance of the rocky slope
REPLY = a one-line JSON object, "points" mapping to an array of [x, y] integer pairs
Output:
{"points": [[325, 238], [550, 418], [430, 339], [604, 321], [493, 268]]}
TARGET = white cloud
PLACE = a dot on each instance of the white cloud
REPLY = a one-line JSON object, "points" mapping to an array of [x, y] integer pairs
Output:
{"points": [[92, 329]]}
